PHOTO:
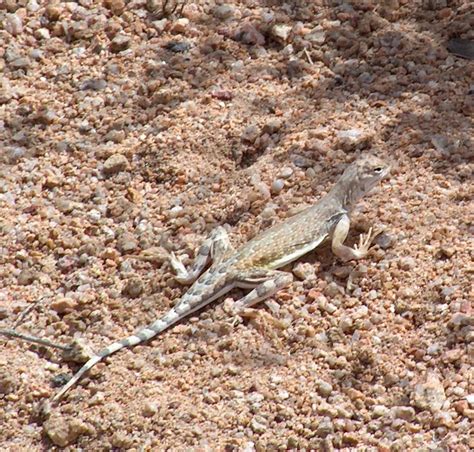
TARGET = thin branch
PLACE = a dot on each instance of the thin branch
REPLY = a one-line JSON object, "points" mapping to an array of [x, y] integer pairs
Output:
{"points": [[34, 339], [26, 312], [308, 56]]}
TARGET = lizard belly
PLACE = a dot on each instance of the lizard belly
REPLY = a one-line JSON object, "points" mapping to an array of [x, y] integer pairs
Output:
{"points": [[295, 254]]}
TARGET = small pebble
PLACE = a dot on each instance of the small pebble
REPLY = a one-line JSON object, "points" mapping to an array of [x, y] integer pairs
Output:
{"points": [[333, 289], [272, 126], [63, 305], [120, 43], [257, 426], [4, 313], [304, 271], [248, 34], [277, 186], [346, 324], [224, 11], [134, 288], [281, 32], [470, 399], [269, 212], [32, 6], [429, 394], [42, 33], [433, 349], [13, 24], [94, 84], [53, 12], [286, 172], [324, 388], [115, 164], [176, 211], [20, 63], [149, 409], [180, 25], [263, 189], [250, 133], [384, 240], [406, 263], [380, 410], [325, 428], [26, 277], [317, 36], [127, 243], [407, 413], [178, 46]]}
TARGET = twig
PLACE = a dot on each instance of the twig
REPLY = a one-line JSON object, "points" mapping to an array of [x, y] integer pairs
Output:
{"points": [[36, 340], [305, 50], [26, 312]]}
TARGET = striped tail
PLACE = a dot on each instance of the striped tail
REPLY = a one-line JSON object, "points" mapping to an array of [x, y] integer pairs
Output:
{"points": [[143, 335]]}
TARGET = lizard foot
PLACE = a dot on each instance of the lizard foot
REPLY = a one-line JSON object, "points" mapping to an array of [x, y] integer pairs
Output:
{"points": [[365, 240]]}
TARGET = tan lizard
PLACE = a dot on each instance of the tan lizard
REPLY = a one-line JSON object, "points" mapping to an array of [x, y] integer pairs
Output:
{"points": [[254, 265]]}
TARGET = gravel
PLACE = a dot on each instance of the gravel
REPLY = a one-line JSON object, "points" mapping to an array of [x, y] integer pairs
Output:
{"points": [[127, 134]]}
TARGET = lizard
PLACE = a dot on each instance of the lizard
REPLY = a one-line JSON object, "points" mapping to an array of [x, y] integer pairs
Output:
{"points": [[255, 265]]}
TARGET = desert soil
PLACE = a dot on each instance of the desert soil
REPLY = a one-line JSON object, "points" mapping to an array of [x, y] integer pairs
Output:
{"points": [[127, 131]]}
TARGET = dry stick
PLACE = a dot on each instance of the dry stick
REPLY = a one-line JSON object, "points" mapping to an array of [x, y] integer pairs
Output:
{"points": [[26, 312], [308, 55], [182, 8], [37, 340]]}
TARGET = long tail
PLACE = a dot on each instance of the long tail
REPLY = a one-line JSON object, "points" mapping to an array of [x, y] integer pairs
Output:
{"points": [[146, 334]]}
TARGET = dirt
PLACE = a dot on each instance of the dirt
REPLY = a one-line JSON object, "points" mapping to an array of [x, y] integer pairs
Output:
{"points": [[127, 131]]}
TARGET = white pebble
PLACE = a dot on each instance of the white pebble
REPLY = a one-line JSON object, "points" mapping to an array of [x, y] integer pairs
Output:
{"points": [[433, 349], [42, 33], [268, 212], [376, 340], [176, 212], [276, 379], [283, 395], [94, 215], [380, 410], [32, 6], [277, 186], [263, 189], [286, 172], [458, 391], [470, 399], [13, 24]]}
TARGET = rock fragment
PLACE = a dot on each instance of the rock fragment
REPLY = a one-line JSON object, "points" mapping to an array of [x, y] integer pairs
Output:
{"points": [[115, 164]]}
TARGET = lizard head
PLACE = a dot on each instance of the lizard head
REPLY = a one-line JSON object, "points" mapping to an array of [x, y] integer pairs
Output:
{"points": [[360, 177], [369, 170]]}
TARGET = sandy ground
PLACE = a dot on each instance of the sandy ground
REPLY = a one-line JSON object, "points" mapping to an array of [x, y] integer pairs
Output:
{"points": [[126, 133]]}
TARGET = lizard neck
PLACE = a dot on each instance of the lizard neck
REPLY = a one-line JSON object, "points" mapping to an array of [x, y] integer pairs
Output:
{"points": [[347, 191]]}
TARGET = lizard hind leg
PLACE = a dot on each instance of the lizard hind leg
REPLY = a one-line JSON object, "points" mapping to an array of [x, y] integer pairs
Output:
{"points": [[216, 247], [265, 285]]}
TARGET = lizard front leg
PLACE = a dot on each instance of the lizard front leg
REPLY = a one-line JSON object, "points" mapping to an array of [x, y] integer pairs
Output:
{"points": [[215, 248], [346, 253]]}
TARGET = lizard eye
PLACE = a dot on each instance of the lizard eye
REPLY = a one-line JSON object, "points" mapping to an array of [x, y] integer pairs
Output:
{"points": [[378, 170]]}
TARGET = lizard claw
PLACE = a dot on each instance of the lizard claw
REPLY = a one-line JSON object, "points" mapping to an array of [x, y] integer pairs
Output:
{"points": [[238, 316], [182, 275], [229, 308], [365, 240], [177, 265]]}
